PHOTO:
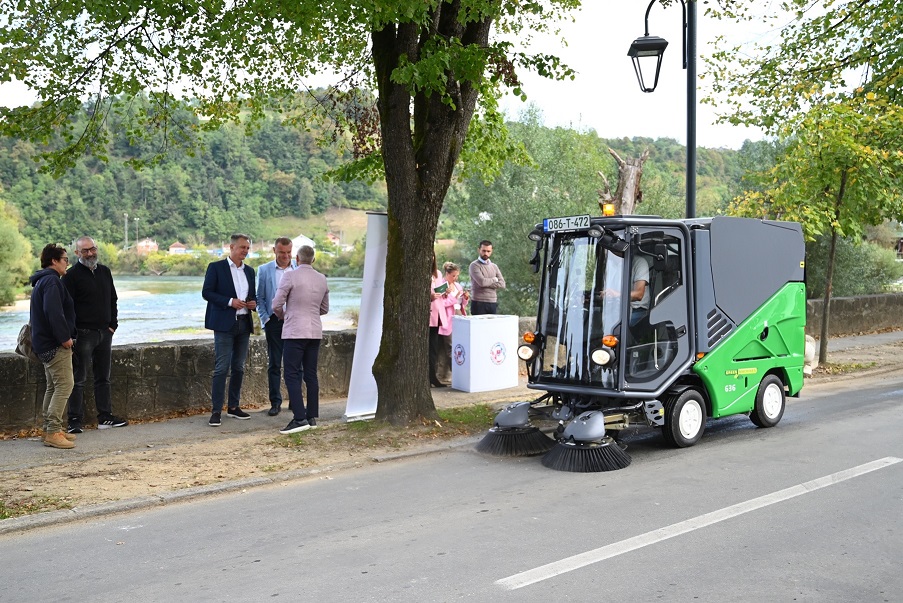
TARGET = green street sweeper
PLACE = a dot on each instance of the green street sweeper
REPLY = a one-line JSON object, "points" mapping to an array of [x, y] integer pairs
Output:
{"points": [[644, 321]]}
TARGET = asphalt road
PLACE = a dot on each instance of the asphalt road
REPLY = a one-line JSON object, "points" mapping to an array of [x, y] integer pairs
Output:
{"points": [[807, 511]]}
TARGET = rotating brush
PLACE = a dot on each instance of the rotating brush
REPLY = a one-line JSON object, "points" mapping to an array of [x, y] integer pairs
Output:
{"points": [[515, 441], [586, 457]]}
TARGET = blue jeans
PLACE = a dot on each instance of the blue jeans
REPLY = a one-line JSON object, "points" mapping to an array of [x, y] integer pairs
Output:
{"points": [[273, 332], [231, 349], [300, 359], [93, 351]]}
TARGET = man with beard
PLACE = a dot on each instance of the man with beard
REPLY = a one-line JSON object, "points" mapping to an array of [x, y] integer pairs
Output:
{"points": [[96, 318]]}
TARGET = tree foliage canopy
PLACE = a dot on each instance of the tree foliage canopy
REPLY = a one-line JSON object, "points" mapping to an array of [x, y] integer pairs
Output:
{"points": [[829, 50], [429, 61], [839, 170], [15, 253]]}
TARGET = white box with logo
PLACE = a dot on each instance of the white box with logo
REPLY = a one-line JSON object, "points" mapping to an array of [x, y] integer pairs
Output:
{"points": [[484, 352]]}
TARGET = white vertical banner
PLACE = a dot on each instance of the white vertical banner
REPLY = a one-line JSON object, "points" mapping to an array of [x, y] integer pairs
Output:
{"points": [[362, 393]]}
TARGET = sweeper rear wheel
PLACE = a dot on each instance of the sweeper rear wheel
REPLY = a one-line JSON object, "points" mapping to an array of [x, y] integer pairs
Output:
{"points": [[770, 402]]}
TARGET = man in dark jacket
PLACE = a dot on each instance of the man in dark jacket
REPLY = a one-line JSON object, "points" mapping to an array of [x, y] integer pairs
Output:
{"points": [[52, 332], [230, 294], [96, 317]]}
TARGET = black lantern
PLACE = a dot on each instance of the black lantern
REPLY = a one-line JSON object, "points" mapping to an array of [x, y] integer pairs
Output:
{"points": [[643, 51]]}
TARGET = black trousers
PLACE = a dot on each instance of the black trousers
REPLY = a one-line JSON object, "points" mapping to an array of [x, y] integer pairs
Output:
{"points": [[481, 307]]}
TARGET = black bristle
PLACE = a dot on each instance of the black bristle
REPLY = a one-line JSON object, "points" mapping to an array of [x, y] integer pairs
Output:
{"points": [[522, 441], [586, 459]]}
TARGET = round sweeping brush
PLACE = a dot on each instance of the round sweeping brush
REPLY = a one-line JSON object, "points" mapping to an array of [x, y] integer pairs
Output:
{"points": [[515, 441], [586, 457]]}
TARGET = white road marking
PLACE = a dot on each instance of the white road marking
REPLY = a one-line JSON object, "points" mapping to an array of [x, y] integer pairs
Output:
{"points": [[556, 568]]}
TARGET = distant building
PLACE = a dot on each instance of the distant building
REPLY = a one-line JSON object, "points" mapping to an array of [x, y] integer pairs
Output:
{"points": [[146, 246], [333, 238], [300, 241], [177, 249]]}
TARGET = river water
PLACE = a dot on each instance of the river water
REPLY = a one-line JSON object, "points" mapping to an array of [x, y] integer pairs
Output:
{"points": [[163, 308]]}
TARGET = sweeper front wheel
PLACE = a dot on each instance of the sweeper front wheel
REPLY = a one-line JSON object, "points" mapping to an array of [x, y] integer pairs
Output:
{"points": [[684, 419]]}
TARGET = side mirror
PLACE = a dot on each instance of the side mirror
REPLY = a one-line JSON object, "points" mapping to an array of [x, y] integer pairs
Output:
{"points": [[661, 254]]}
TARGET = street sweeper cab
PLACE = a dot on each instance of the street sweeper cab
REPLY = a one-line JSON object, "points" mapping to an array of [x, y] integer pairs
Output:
{"points": [[644, 321]]}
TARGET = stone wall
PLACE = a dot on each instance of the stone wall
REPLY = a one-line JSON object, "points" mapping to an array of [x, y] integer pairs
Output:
{"points": [[162, 379], [852, 315]]}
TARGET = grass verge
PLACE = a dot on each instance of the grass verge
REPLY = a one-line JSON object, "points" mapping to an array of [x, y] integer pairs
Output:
{"points": [[360, 436], [12, 505], [843, 368]]}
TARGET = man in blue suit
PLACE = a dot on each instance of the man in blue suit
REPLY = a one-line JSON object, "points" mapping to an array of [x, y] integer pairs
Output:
{"points": [[270, 276], [229, 291]]}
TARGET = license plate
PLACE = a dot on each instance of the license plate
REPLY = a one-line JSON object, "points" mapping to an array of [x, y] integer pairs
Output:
{"points": [[566, 223]]}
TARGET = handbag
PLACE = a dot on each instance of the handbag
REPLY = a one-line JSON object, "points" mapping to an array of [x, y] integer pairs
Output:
{"points": [[23, 343]]}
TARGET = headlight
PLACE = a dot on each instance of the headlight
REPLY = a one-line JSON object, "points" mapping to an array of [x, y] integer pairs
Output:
{"points": [[602, 356], [526, 352]]}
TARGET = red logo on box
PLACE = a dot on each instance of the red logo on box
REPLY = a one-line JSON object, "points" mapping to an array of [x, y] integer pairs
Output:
{"points": [[497, 352], [458, 353]]}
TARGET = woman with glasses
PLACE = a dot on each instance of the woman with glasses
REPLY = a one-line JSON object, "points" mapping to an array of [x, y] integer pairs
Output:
{"points": [[52, 338]]}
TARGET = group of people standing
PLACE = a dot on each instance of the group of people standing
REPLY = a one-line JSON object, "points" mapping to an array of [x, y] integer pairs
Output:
{"points": [[448, 297], [290, 299], [74, 316]]}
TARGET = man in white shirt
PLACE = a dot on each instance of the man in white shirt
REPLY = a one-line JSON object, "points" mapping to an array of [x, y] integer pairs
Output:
{"points": [[269, 277], [229, 291]]}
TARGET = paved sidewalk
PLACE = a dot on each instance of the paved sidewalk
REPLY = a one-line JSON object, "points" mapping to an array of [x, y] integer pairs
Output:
{"points": [[19, 454]]}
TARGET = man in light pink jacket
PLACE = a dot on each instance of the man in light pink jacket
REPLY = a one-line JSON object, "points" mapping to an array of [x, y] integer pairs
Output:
{"points": [[305, 297]]}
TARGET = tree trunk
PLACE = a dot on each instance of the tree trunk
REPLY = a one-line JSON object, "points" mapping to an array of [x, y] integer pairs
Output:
{"points": [[419, 162], [627, 193], [826, 305], [829, 276]]}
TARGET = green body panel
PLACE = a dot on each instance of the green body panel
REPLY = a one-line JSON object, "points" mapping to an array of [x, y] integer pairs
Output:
{"points": [[733, 370]]}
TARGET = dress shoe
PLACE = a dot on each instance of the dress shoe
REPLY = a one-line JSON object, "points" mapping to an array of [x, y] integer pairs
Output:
{"points": [[274, 410]]}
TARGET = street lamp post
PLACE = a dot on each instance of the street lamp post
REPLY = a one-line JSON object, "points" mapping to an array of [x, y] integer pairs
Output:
{"points": [[653, 47], [126, 244], [137, 238]]}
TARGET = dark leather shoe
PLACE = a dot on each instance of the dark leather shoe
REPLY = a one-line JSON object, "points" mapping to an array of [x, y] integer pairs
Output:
{"points": [[274, 410]]}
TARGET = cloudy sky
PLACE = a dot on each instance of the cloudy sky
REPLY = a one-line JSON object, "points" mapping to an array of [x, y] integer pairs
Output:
{"points": [[605, 95]]}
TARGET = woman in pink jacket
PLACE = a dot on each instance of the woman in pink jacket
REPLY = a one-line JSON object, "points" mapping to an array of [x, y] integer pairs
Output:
{"points": [[447, 296]]}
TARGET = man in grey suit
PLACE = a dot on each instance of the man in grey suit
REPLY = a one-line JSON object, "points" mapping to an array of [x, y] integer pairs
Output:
{"points": [[268, 278], [302, 298]]}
